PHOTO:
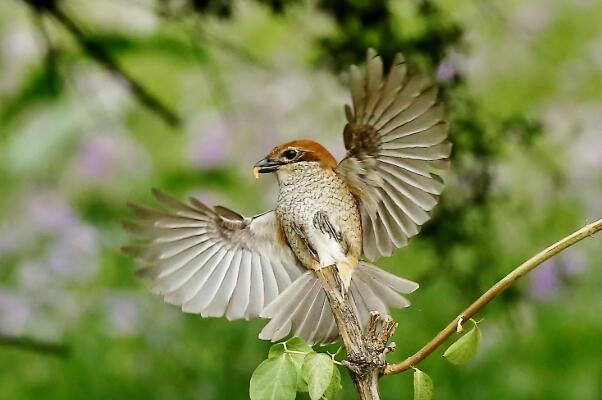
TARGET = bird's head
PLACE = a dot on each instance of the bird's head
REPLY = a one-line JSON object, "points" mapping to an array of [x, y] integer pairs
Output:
{"points": [[283, 157]]}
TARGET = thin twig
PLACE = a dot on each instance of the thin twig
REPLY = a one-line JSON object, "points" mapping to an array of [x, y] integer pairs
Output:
{"points": [[104, 58], [491, 294], [50, 52], [46, 348]]}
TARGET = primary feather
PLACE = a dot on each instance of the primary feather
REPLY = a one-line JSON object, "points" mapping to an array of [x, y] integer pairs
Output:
{"points": [[212, 262], [396, 140]]}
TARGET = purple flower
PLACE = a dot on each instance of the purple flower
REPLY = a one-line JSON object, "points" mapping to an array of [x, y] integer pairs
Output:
{"points": [[96, 156], [15, 312], [106, 91], [122, 314], [210, 141], [450, 66], [49, 212], [108, 155], [533, 17], [20, 49], [33, 276], [9, 240], [446, 71], [20, 43], [57, 250], [74, 260], [573, 262], [549, 277], [544, 280]]}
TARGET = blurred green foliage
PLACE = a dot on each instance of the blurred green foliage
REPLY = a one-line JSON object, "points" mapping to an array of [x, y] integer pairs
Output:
{"points": [[521, 81]]}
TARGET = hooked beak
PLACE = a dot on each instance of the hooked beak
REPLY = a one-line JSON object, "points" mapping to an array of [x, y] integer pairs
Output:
{"points": [[265, 166]]}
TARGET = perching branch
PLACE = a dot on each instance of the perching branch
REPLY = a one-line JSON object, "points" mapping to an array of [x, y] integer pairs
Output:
{"points": [[491, 294], [366, 350], [104, 58], [46, 348]]}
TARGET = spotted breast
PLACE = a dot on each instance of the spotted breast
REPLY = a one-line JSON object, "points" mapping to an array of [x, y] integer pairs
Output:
{"points": [[320, 218]]}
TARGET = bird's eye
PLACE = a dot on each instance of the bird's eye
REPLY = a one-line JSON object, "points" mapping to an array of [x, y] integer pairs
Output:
{"points": [[289, 154]]}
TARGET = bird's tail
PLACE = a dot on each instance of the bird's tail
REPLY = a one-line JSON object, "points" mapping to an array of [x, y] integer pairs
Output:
{"points": [[304, 308]]}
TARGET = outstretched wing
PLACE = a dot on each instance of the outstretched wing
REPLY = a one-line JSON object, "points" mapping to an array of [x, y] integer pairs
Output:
{"points": [[395, 138], [213, 262]]}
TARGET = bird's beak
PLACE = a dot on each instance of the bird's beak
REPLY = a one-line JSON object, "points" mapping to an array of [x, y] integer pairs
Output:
{"points": [[265, 166]]}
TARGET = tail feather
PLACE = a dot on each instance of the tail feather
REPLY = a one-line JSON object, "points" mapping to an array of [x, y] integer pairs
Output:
{"points": [[304, 308], [322, 329], [359, 305], [306, 313], [386, 293], [372, 301], [290, 297], [395, 282], [284, 307], [301, 313]]}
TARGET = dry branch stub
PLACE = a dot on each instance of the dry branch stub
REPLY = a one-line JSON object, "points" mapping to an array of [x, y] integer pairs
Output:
{"points": [[366, 350]]}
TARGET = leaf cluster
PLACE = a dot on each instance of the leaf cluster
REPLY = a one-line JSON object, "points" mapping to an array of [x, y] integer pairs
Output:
{"points": [[461, 352], [291, 367]]}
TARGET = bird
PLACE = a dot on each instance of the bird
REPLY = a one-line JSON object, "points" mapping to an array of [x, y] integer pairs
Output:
{"points": [[216, 262]]}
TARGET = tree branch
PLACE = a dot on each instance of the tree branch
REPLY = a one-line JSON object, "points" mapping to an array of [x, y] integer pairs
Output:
{"points": [[93, 49], [491, 294], [47, 348], [51, 53], [366, 350]]}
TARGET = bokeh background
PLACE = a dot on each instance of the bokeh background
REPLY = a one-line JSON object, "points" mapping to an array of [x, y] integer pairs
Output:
{"points": [[101, 100]]}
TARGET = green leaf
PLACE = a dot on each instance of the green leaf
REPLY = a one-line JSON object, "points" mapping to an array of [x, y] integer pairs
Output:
{"points": [[464, 349], [294, 344], [423, 386], [298, 344], [274, 379], [276, 351], [318, 369], [301, 384], [334, 387], [294, 347]]}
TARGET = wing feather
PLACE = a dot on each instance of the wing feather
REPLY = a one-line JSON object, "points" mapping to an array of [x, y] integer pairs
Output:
{"points": [[209, 287], [403, 99], [282, 278], [425, 121], [257, 292], [240, 298], [220, 301], [390, 88], [197, 266], [211, 261], [396, 141]]}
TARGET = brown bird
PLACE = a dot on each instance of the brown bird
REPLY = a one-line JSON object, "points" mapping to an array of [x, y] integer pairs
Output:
{"points": [[215, 262]]}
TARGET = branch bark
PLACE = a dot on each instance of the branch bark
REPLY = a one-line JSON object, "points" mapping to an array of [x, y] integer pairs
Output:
{"points": [[46, 348], [491, 294], [366, 350]]}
